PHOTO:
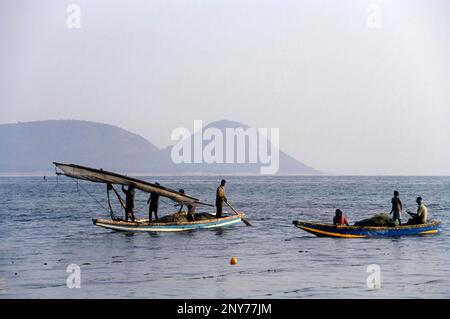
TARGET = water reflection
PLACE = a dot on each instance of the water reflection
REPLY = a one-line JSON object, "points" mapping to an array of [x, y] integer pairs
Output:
{"points": [[275, 258]]}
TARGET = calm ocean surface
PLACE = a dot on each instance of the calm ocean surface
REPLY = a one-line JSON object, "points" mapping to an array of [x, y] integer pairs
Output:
{"points": [[45, 226]]}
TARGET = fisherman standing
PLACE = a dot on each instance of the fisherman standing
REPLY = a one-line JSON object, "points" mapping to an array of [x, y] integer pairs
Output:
{"points": [[129, 202], [396, 208], [220, 198], [153, 200]]}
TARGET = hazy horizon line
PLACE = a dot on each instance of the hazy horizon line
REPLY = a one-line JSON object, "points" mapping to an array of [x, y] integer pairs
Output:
{"points": [[50, 174]]}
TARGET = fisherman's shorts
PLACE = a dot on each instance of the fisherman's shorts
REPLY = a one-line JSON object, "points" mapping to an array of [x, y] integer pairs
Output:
{"points": [[396, 215]]}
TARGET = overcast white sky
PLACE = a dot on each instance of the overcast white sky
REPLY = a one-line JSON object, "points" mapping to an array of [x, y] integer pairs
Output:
{"points": [[348, 99]]}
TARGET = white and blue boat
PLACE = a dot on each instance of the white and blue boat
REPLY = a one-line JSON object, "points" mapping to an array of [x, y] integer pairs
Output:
{"points": [[143, 225]]}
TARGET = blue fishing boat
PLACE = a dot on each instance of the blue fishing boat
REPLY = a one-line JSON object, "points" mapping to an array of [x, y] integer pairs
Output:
{"points": [[328, 230], [181, 221], [145, 226]]}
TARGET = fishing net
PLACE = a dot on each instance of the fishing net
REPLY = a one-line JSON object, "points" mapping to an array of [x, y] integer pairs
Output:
{"points": [[183, 217], [382, 219]]}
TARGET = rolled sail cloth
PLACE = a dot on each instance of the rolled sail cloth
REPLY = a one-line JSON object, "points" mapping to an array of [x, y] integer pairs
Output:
{"points": [[382, 219], [102, 176]]}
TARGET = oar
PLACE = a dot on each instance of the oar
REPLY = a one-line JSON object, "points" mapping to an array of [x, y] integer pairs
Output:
{"points": [[246, 222]]}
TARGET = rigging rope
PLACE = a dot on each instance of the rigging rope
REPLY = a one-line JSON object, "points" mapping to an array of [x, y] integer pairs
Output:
{"points": [[89, 194], [57, 177], [111, 212], [79, 185]]}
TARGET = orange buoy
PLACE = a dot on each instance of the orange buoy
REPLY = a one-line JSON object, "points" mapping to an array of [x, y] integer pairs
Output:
{"points": [[233, 260]]}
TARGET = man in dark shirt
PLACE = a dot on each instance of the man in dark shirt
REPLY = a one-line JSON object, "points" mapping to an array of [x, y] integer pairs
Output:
{"points": [[153, 200], [396, 208], [129, 202], [181, 205]]}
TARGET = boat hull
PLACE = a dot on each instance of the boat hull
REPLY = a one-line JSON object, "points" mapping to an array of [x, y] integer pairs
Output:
{"points": [[327, 230], [144, 226]]}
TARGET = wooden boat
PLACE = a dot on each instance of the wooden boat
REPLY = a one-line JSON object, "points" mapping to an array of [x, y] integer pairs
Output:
{"points": [[142, 225], [328, 230]]}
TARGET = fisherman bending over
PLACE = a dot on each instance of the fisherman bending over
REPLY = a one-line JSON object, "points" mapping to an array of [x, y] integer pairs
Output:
{"points": [[129, 202], [191, 213], [153, 200], [396, 208], [220, 198], [422, 213], [340, 218], [191, 208]]}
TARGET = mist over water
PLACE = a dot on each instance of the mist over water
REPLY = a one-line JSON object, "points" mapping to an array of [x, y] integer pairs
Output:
{"points": [[46, 225]]}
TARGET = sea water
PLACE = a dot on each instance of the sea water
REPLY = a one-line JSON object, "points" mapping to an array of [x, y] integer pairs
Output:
{"points": [[45, 226]]}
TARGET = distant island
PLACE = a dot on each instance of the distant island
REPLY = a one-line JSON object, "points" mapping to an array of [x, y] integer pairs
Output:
{"points": [[31, 147]]}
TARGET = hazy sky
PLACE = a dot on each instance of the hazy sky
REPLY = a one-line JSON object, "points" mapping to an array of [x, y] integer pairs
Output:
{"points": [[349, 97]]}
